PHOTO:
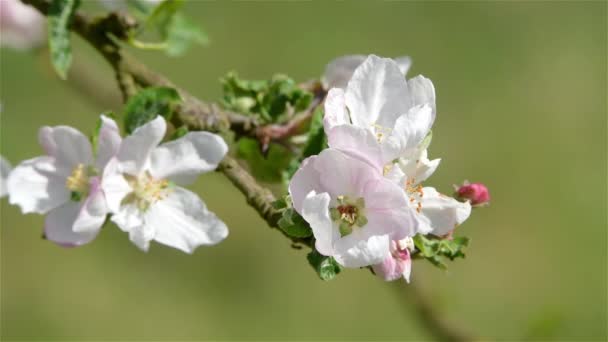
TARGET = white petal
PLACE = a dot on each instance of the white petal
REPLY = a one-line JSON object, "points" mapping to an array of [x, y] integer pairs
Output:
{"points": [[114, 186], [315, 210], [5, 170], [67, 145], [58, 226], [182, 221], [339, 71], [135, 150], [418, 168], [354, 251], [360, 143], [422, 92], [108, 142], [377, 93], [131, 220], [404, 63], [182, 160], [442, 213], [335, 110], [305, 180], [411, 128], [93, 210], [37, 186]]}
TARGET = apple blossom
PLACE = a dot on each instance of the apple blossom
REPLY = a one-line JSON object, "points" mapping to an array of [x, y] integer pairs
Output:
{"points": [[339, 71], [141, 187], [353, 211], [398, 264], [380, 116], [21, 26], [65, 183], [5, 170], [476, 193]]}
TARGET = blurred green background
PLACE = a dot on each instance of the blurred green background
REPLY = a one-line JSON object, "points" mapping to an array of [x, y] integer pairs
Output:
{"points": [[521, 107]]}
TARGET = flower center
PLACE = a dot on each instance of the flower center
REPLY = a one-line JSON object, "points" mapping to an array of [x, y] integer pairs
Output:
{"points": [[348, 214], [146, 190], [78, 182]]}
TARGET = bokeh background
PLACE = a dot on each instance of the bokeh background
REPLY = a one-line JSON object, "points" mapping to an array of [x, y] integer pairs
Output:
{"points": [[521, 107]]}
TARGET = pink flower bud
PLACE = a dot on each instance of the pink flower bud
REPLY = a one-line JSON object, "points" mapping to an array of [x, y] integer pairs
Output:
{"points": [[477, 193], [21, 26]]}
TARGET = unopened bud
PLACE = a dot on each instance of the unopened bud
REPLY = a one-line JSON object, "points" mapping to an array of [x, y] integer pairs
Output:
{"points": [[476, 193]]}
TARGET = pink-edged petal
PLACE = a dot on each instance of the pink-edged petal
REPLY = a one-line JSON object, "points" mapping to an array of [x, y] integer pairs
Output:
{"points": [[377, 93], [387, 210], [37, 185], [358, 249], [114, 186], [335, 110], [5, 170], [68, 145], [108, 142], [135, 150], [182, 221], [305, 180], [411, 128], [440, 213], [422, 92], [339, 71], [360, 143], [182, 160], [315, 210], [341, 174], [93, 210], [59, 223]]}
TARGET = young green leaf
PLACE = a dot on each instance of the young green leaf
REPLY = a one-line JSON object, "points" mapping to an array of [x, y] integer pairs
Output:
{"points": [[326, 267], [182, 34], [59, 18], [265, 168], [149, 103]]}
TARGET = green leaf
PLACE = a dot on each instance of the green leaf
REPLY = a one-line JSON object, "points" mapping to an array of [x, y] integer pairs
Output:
{"points": [[266, 169], [178, 133], [59, 18], [436, 250], [149, 103], [294, 225], [326, 267], [182, 34]]}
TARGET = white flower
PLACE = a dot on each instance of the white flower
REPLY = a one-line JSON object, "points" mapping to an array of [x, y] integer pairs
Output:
{"points": [[141, 186], [64, 184], [353, 211], [380, 116], [21, 26], [339, 71], [5, 170]]}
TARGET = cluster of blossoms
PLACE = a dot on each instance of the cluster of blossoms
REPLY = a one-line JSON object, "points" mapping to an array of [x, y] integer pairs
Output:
{"points": [[363, 196], [136, 180]]}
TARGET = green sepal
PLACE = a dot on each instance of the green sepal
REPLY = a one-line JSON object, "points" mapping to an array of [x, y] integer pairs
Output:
{"points": [[294, 225], [326, 267]]}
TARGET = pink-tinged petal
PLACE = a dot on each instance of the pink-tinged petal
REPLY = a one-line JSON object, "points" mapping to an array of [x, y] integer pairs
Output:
{"points": [[387, 210], [182, 221], [5, 170], [411, 128], [93, 210], [315, 210], [335, 110], [341, 174], [305, 180], [360, 250], [395, 266], [114, 186], [135, 150], [182, 160], [377, 93], [358, 142], [340, 70], [108, 142], [58, 226], [37, 185], [442, 213], [422, 92], [67, 145]]}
